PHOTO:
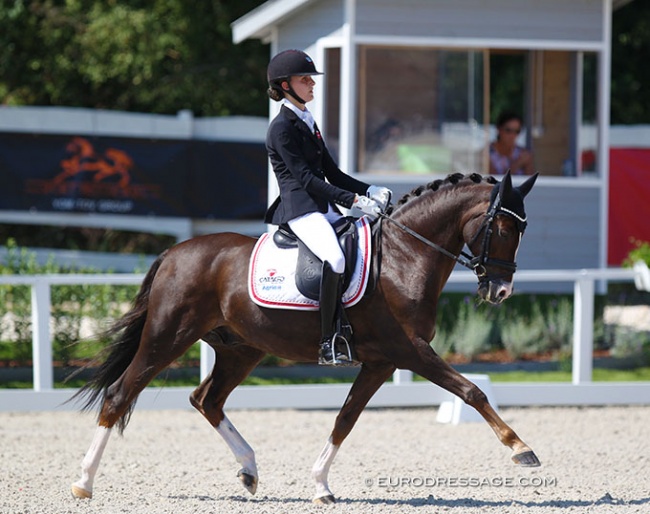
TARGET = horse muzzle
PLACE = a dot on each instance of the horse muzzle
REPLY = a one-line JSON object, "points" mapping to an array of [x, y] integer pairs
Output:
{"points": [[495, 291]]}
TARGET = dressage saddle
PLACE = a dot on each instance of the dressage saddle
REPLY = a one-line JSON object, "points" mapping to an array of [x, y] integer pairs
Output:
{"points": [[309, 267]]}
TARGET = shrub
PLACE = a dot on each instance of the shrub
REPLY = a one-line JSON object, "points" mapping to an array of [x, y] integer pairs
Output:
{"points": [[443, 342], [71, 306], [557, 326], [640, 252], [631, 343], [523, 336], [473, 332]]}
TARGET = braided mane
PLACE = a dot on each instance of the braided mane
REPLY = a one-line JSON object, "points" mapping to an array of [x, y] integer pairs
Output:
{"points": [[453, 178]]}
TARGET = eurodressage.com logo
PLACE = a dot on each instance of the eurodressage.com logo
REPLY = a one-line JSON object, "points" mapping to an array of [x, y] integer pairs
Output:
{"points": [[394, 482], [271, 281]]}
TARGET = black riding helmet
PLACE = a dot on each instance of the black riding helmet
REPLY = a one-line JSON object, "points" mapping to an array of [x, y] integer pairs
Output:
{"points": [[285, 65]]}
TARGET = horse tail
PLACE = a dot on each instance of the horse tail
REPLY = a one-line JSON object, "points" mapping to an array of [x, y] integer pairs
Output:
{"points": [[126, 333]]}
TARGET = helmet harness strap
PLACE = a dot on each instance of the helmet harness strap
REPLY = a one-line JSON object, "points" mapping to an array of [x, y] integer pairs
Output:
{"points": [[291, 91]]}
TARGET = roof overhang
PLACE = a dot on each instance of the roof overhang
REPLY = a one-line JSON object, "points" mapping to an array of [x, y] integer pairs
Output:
{"points": [[619, 3], [258, 23]]}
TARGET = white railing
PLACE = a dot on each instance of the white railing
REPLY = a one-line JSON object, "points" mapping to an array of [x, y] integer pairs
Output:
{"points": [[402, 392]]}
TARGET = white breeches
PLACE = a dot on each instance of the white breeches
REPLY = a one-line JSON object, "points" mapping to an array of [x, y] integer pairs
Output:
{"points": [[315, 230]]}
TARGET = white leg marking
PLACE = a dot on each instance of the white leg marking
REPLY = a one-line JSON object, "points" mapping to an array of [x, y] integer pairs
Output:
{"points": [[321, 469], [244, 454], [84, 486]]}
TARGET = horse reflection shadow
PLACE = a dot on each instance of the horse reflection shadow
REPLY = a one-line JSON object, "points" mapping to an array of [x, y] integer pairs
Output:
{"points": [[429, 501]]}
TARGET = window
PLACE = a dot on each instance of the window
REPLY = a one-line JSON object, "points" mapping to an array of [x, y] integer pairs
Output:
{"points": [[420, 110], [432, 110]]}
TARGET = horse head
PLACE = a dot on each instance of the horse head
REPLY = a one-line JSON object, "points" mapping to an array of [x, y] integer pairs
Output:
{"points": [[81, 147], [496, 241]]}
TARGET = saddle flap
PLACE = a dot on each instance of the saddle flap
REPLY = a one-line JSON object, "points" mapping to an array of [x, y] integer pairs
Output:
{"points": [[272, 272], [308, 272]]}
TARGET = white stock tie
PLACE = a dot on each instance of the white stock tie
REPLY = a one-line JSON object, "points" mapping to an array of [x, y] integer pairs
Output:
{"points": [[308, 119]]}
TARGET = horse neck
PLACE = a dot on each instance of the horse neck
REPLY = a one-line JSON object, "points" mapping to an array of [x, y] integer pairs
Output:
{"points": [[440, 217]]}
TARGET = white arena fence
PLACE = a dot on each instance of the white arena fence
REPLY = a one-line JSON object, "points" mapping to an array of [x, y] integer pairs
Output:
{"points": [[402, 392]]}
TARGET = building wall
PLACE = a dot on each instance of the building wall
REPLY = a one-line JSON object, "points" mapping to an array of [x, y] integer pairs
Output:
{"points": [[503, 19], [564, 230]]}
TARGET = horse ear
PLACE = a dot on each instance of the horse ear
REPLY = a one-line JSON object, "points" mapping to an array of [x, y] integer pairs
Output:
{"points": [[525, 188], [506, 185]]}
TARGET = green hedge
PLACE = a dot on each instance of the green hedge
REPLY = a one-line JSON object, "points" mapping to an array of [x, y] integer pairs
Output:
{"points": [[523, 325], [72, 305]]}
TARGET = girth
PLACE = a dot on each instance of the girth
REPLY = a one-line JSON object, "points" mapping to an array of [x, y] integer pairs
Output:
{"points": [[309, 267]]}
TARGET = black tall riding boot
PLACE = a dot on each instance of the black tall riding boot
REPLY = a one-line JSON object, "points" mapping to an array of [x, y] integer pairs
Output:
{"points": [[335, 346]]}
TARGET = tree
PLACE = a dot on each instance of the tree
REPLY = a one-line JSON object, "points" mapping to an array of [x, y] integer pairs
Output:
{"points": [[156, 56], [162, 56], [630, 72]]}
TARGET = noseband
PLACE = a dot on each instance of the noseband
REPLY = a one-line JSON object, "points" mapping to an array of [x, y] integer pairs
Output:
{"points": [[477, 264]]}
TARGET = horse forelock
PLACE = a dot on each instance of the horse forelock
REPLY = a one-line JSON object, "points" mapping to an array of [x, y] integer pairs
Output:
{"points": [[449, 181]]}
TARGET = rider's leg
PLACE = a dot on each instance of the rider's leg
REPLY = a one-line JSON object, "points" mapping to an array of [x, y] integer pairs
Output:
{"points": [[335, 340], [315, 231]]}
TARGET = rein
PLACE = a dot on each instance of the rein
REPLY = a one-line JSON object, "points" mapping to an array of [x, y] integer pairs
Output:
{"points": [[477, 264], [464, 259]]}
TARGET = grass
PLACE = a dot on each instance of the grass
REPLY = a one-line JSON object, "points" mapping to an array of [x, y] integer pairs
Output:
{"points": [[599, 375]]}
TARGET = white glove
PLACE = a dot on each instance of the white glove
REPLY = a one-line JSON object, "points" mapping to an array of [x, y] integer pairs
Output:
{"points": [[381, 195], [364, 205]]}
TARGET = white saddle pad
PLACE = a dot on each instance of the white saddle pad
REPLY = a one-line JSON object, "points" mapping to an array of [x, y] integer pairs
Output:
{"points": [[272, 274]]}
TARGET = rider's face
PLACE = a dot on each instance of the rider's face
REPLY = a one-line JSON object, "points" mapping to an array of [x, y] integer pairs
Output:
{"points": [[303, 86]]}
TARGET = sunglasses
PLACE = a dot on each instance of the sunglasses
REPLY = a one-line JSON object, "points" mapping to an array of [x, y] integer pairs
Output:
{"points": [[510, 130]]}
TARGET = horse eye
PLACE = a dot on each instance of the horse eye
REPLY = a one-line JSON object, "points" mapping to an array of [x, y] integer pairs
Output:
{"points": [[503, 232]]}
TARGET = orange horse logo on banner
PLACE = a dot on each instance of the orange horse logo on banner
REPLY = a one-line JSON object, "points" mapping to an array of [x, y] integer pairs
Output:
{"points": [[88, 173], [84, 159]]}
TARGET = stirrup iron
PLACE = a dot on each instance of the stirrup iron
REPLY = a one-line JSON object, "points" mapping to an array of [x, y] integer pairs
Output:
{"points": [[336, 351]]}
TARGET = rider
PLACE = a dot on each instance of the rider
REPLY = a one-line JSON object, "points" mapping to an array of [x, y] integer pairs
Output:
{"points": [[311, 185]]}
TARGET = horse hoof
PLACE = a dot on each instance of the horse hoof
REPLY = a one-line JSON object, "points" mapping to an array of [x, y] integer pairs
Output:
{"points": [[79, 492], [248, 481], [527, 459], [325, 500]]}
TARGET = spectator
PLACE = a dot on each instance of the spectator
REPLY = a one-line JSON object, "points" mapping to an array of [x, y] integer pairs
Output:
{"points": [[505, 154]]}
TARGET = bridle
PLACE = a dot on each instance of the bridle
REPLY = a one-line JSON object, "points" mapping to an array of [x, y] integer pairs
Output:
{"points": [[477, 264]]}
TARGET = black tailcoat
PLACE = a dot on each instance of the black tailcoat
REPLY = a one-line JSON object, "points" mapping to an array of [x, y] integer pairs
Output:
{"points": [[308, 178]]}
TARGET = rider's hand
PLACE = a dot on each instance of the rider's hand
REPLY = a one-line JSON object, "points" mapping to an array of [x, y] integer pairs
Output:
{"points": [[367, 206], [381, 195]]}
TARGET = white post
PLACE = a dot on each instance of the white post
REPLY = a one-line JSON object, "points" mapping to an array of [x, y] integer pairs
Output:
{"points": [[207, 360], [602, 160], [583, 330], [402, 376], [41, 342], [347, 123]]}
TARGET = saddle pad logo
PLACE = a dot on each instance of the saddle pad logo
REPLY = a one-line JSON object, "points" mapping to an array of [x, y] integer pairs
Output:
{"points": [[272, 274], [272, 277]]}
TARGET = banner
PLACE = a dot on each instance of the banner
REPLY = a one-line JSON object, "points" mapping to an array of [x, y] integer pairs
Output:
{"points": [[629, 201], [181, 178]]}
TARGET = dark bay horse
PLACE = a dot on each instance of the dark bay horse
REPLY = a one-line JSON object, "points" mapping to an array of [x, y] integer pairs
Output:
{"points": [[198, 290]]}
